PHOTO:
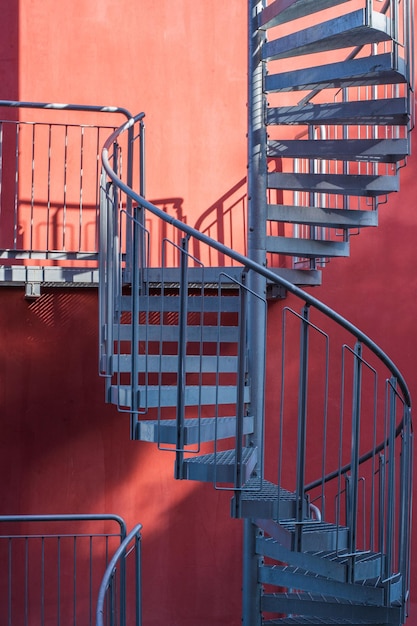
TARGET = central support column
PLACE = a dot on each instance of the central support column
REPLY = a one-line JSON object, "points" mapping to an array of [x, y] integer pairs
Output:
{"points": [[257, 185]]}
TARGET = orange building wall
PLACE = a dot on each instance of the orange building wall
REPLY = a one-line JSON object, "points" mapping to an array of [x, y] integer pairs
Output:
{"points": [[61, 448]]}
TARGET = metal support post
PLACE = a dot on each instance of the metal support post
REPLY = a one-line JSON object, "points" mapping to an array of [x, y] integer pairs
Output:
{"points": [[181, 373], [302, 424], [352, 520], [257, 200]]}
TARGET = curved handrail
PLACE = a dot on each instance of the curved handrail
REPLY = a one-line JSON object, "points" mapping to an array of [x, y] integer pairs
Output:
{"points": [[108, 575], [248, 263]]}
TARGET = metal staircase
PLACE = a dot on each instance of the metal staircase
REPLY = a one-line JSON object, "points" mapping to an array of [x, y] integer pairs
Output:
{"points": [[353, 118], [323, 483]]}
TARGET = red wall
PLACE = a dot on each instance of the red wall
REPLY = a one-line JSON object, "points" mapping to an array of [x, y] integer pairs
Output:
{"points": [[62, 449]]}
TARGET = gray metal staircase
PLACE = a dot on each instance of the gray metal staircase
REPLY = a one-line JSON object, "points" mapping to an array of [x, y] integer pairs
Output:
{"points": [[353, 116], [323, 483]]}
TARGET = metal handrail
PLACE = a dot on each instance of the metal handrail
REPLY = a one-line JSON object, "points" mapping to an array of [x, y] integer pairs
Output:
{"points": [[119, 555], [85, 517], [59, 106]]}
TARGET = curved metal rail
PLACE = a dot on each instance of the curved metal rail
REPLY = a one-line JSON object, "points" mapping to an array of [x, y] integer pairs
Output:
{"points": [[117, 611], [370, 448]]}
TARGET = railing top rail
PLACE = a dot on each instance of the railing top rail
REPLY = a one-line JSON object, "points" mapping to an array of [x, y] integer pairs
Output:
{"points": [[67, 518], [247, 262], [58, 106]]}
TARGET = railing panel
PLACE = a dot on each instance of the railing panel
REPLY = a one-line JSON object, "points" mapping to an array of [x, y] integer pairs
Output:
{"points": [[52, 567], [49, 183], [120, 595]]}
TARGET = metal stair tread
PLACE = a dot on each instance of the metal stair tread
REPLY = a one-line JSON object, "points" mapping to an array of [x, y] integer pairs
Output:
{"points": [[168, 363], [329, 563], [315, 597], [373, 583], [329, 606], [266, 500], [364, 150], [166, 395], [316, 621], [310, 525], [195, 303], [220, 467], [298, 277], [318, 216], [386, 111], [198, 276], [348, 30], [311, 588], [309, 248], [280, 12], [257, 489], [362, 71], [339, 184], [169, 333], [275, 550], [194, 429]]}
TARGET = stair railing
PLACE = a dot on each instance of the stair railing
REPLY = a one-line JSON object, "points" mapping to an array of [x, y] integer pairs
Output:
{"points": [[51, 566], [49, 180], [357, 425], [120, 594]]}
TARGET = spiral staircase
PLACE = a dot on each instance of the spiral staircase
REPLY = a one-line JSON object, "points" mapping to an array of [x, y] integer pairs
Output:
{"points": [[321, 474]]}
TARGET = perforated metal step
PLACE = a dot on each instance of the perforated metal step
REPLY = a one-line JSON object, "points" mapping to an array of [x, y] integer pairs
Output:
{"points": [[298, 578], [166, 395], [329, 607], [195, 430], [334, 564], [195, 303], [317, 535], [263, 499], [316, 621], [220, 467]]}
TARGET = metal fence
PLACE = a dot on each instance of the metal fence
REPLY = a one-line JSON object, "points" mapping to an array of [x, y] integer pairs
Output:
{"points": [[52, 567], [49, 182]]}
